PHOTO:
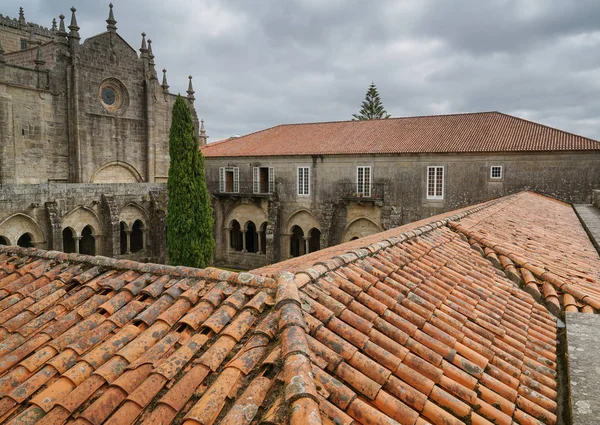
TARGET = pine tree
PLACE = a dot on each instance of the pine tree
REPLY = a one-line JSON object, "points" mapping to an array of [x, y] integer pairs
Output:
{"points": [[190, 240], [372, 108]]}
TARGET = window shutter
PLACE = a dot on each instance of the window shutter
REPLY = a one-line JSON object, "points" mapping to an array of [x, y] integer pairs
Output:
{"points": [[359, 181], [222, 179], [255, 180], [299, 180], [367, 184], [236, 180], [271, 180]]}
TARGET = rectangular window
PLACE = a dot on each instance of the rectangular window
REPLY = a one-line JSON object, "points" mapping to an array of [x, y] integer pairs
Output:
{"points": [[496, 172], [229, 180], [435, 182], [23, 44], [263, 180], [303, 181], [363, 182]]}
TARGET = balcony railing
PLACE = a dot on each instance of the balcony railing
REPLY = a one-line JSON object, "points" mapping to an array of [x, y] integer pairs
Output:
{"points": [[362, 192], [241, 188]]}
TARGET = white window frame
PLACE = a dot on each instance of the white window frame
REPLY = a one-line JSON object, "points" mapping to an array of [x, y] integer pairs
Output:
{"points": [[361, 186], [492, 172], [256, 180], [303, 181], [223, 179], [436, 169]]}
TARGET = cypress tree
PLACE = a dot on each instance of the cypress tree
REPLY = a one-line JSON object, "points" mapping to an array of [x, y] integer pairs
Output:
{"points": [[372, 108], [190, 240]]}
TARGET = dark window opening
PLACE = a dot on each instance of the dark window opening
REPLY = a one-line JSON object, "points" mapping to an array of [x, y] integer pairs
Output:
{"points": [[297, 245], [235, 236], [123, 238], [251, 237], [87, 244], [25, 241], [22, 132], [137, 236], [314, 243], [68, 240], [23, 44], [229, 181], [3, 241], [354, 238]]}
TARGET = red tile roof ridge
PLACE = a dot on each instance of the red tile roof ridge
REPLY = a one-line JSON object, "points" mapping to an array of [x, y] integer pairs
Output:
{"points": [[320, 268], [242, 278]]}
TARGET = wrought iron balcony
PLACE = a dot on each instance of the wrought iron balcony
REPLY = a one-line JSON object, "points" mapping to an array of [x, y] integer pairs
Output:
{"points": [[360, 192], [241, 188]]}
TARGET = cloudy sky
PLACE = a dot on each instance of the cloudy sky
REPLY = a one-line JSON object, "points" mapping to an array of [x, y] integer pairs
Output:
{"points": [[261, 63]]}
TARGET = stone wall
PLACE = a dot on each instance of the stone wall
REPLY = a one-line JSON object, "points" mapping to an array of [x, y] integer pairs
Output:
{"points": [[12, 31], [596, 198], [569, 177], [45, 210]]}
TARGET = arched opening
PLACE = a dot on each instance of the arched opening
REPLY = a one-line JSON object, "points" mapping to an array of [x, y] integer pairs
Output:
{"points": [[297, 245], [314, 241], [263, 238], [251, 237], [354, 238], [137, 236], [25, 241], [68, 240], [123, 237], [3, 241], [87, 243], [235, 236]]}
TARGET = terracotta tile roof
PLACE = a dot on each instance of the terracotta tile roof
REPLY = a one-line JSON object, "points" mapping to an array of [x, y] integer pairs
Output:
{"points": [[541, 242], [414, 328], [474, 132]]}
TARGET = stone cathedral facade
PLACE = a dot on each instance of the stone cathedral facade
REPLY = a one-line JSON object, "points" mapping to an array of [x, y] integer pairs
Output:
{"points": [[84, 152]]}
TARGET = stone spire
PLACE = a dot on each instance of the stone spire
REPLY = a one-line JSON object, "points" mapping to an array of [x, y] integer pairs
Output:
{"points": [[151, 61], [39, 62], [111, 19], [190, 90], [54, 28], [61, 34], [203, 137], [164, 84], [74, 28], [144, 48], [22, 21]]}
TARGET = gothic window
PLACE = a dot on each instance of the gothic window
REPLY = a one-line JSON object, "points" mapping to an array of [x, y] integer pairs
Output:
{"points": [[87, 243], [137, 236], [68, 240], [25, 241]]}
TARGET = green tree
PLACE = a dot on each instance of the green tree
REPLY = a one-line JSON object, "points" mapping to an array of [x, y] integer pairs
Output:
{"points": [[190, 240], [372, 108]]}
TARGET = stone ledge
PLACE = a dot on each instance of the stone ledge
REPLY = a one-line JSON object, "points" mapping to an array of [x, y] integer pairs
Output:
{"points": [[583, 334]]}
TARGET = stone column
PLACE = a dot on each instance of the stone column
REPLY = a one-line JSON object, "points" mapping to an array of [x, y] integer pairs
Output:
{"points": [[306, 243], [259, 233], [227, 238], [144, 239], [77, 239], [244, 241], [285, 249], [128, 250]]}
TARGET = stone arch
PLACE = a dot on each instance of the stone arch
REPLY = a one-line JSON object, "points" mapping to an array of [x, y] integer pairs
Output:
{"points": [[26, 240], [297, 241], [87, 244], [314, 240], [116, 172], [246, 212], [360, 227], [132, 212], [137, 239], [235, 235], [4, 240], [15, 226], [80, 217], [304, 219], [251, 235], [69, 241]]}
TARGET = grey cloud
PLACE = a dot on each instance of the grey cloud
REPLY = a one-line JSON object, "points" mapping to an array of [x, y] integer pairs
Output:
{"points": [[261, 63]]}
